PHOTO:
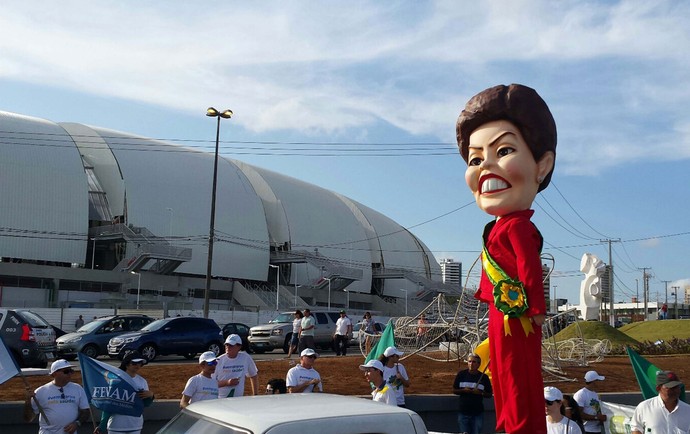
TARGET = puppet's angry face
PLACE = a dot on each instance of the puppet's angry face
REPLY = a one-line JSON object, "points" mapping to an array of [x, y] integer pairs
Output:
{"points": [[501, 171]]}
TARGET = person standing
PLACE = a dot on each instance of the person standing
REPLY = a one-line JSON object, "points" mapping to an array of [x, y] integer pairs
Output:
{"points": [[79, 322], [202, 386], [306, 334], [664, 413], [373, 372], [590, 404], [120, 423], [572, 411], [233, 367], [368, 329], [395, 374], [556, 422], [303, 378], [296, 327], [472, 386], [422, 329], [62, 404], [343, 330]]}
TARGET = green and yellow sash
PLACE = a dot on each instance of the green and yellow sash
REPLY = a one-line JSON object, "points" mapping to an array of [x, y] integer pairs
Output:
{"points": [[509, 294]]}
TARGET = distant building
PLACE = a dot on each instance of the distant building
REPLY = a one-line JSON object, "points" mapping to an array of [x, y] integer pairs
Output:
{"points": [[546, 278], [451, 271]]}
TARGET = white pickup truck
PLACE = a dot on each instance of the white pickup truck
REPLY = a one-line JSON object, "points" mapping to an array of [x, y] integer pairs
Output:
{"points": [[296, 413], [277, 333]]}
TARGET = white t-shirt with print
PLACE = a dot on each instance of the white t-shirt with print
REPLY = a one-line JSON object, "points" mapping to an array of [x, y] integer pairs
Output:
{"points": [[200, 388], [389, 374], [565, 426], [240, 367], [589, 401], [59, 411], [299, 374]]}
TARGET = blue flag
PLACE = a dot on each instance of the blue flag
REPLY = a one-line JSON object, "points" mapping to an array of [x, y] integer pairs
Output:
{"points": [[110, 389], [8, 366]]}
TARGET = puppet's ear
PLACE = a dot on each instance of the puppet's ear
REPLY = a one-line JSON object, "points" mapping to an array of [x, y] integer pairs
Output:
{"points": [[545, 164]]}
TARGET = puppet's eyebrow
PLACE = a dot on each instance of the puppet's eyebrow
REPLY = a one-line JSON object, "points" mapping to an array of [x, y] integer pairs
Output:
{"points": [[493, 142]]}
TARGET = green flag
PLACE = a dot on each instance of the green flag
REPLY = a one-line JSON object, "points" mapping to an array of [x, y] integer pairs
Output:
{"points": [[645, 373], [387, 340]]}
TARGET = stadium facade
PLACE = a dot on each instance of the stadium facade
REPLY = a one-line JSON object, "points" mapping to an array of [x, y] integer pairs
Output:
{"points": [[98, 216]]}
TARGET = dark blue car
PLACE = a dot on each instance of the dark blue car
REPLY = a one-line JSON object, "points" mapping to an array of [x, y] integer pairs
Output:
{"points": [[184, 336]]}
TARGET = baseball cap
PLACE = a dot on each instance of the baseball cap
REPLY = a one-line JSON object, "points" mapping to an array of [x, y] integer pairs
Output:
{"points": [[392, 351], [308, 352], [372, 364], [667, 379], [208, 356], [233, 339], [59, 364], [593, 376], [552, 394], [342, 311], [133, 357]]}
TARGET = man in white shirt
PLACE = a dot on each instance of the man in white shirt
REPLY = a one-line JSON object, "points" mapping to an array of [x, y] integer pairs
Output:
{"points": [[373, 373], [303, 377], [343, 331], [63, 405], [664, 413], [233, 367], [202, 386], [306, 334], [589, 403]]}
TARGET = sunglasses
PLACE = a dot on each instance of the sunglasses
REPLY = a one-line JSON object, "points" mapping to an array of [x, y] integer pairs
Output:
{"points": [[67, 371], [310, 357], [62, 393], [547, 402], [212, 363]]}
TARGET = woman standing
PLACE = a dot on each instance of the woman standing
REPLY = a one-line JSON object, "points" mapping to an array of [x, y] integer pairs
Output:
{"points": [[556, 423], [395, 374], [368, 329], [296, 327], [120, 423]]}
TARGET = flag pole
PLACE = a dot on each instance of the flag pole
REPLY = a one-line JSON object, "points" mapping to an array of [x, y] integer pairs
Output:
{"points": [[38, 404]]}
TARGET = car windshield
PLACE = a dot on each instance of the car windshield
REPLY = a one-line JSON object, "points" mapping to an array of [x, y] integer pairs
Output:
{"points": [[283, 317], [33, 319], [91, 326], [158, 324]]}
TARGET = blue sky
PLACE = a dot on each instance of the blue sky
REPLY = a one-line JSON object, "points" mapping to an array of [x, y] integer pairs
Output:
{"points": [[347, 80]]}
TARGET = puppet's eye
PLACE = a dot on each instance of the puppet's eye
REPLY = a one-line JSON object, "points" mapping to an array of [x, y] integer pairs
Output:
{"points": [[474, 161], [505, 150]]}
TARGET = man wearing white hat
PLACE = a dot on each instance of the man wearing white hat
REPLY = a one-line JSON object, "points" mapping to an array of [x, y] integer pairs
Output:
{"points": [[303, 377], [556, 423], [63, 405], [202, 386], [373, 372], [590, 404], [665, 413], [395, 374], [233, 367]]}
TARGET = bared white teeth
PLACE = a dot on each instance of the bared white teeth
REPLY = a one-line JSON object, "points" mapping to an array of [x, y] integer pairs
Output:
{"points": [[493, 184]]}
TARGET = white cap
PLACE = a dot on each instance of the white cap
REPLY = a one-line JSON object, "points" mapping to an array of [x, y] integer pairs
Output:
{"points": [[372, 364], [308, 352], [208, 356], [58, 365], [552, 394], [233, 339], [593, 376], [392, 351]]}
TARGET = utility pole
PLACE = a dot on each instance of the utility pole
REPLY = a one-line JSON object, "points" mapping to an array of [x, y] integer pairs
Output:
{"points": [[645, 290], [612, 316], [637, 295], [666, 288]]}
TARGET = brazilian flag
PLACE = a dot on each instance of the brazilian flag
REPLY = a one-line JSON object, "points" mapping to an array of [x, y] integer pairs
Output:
{"points": [[645, 373]]}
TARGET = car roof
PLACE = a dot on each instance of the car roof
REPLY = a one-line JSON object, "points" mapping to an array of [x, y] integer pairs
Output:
{"points": [[250, 411]]}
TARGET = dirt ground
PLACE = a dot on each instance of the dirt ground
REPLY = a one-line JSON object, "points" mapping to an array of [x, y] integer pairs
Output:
{"points": [[341, 375]]}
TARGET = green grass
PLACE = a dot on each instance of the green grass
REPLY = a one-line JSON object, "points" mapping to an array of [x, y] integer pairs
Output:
{"points": [[596, 330], [652, 331]]}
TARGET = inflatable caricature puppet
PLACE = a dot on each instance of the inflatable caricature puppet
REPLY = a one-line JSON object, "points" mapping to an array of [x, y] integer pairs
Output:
{"points": [[507, 136]]}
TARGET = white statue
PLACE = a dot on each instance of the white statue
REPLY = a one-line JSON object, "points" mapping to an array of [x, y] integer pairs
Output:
{"points": [[590, 288]]}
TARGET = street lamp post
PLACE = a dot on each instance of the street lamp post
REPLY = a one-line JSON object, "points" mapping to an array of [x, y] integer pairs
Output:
{"points": [[675, 303], [347, 293], [227, 114], [277, 282], [93, 253], [170, 210], [405, 291], [329, 292], [138, 287]]}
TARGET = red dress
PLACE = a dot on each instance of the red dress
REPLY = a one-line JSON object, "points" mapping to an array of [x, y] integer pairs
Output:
{"points": [[515, 244]]}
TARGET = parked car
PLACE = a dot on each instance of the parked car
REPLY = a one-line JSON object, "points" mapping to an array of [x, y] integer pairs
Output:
{"points": [[378, 329], [240, 329], [28, 336], [278, 332], [333, 414], [92, 338], [185, 336]]}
